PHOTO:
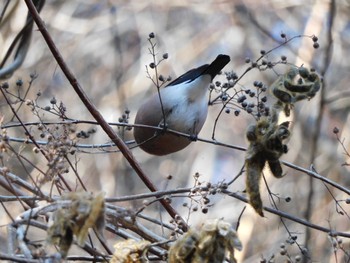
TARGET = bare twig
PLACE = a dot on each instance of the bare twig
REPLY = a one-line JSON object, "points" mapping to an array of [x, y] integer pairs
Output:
{"points": [[317, 126]]}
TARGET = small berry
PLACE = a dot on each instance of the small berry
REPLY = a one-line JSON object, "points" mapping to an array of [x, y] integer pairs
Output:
{"points": [[151, 35], [19, 82], [316, 45], [152, 65], [247, 60], [47, 108], [237, 112], [5, 85], [36, 150], [288, 199], [262, 52], [165, 55], [283, 35], [241, 99], [53, 100], [283, 58], [335, 130], [315, 38], [227, 110]]}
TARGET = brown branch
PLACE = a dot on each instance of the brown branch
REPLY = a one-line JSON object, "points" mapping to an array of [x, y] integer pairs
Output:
{"points": [[91, 107]]}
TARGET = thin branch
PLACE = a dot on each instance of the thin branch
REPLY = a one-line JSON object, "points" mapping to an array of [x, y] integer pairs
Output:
{"points": [[91, 107]]}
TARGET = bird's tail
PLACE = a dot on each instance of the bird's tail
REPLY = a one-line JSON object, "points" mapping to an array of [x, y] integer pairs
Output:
{"points": [[217, 65]]}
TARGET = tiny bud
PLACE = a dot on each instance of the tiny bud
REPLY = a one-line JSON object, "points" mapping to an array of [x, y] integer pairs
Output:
{"points": [[151, 35], [335, 130], [262, 52], [283, 35], [169, 177], [227, 110], [205, 210], [237, 112], [316, 45], [165, 55], [247, 60], [47, 108], [283, 58], [152, 65], [288, 199], [315, 38]]}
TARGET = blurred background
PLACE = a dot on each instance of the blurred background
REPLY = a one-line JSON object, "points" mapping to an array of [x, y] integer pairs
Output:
{"points": [[105, 43]]}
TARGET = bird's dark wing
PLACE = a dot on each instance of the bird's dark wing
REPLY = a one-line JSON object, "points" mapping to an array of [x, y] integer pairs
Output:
{"points": [[213, 69]]}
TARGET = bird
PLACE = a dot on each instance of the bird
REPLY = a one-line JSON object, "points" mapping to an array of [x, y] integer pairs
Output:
{"points": [[182, 106]]}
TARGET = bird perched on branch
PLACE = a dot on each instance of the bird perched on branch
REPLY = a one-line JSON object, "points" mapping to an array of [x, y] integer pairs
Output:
{"points": [[181, 106]]}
